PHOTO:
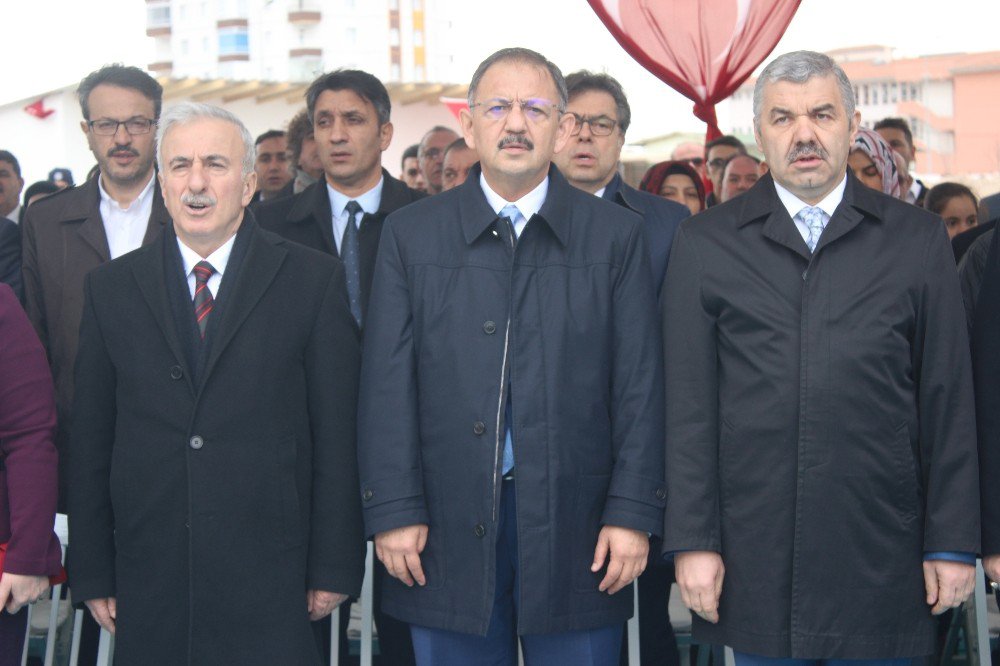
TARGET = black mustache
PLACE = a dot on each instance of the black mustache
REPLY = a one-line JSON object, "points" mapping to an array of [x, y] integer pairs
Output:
{"points": [[114, 152]]}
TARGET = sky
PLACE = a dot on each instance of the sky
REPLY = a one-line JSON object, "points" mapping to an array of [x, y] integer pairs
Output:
{"points": [[52, 51]]}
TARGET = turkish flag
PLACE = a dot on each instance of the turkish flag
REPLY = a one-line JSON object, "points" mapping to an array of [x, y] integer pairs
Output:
{"points": [[703, 49], [38, 110], [455, 105]]}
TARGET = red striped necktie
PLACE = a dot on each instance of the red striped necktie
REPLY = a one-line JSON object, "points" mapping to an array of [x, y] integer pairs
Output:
{"points": [[203, 300]]}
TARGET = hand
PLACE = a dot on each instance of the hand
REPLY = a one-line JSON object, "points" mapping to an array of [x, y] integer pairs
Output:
{"points": [[699, 575], [104, 611], [321, 603], [991, 565], [399, 550], [16, 590], [948, 584], [628, 550]]}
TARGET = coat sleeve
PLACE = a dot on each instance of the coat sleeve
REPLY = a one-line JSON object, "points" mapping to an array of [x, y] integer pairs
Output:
{"points": [[636, 494], [92, 435], [10, 258], [32, 283], [392, 487], [970, 274], [945, 404], [27, 429], [336, 544], [692, 520]]}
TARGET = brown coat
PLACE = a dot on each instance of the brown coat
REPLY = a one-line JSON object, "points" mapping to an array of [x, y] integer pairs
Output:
{"points": [[63, 239]]}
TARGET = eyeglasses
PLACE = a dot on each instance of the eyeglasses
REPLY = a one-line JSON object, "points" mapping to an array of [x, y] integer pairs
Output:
{"points": [[695, 161], [431, 153], [535, 110], [108, 127], [717, 163], [599, 125]]}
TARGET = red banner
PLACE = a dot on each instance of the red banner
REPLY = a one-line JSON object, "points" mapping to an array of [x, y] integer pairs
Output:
{"points": [[703, 49], [38, 110]]}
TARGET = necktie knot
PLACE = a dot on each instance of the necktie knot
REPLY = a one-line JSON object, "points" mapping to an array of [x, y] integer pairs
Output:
{"points": [[815, 218], [353, 208], [203, 271], [511, 212]]}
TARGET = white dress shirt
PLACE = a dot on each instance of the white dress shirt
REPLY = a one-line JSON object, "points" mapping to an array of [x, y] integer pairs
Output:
{"points": [[126, 227], [529, 204], [14, 214], [369, 202], [793, 204], [218, 259]]}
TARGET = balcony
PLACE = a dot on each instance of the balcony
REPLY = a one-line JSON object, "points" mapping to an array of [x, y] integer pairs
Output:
{"points": [[303, 52], [304, 17], [158, 31], [161, 68]]}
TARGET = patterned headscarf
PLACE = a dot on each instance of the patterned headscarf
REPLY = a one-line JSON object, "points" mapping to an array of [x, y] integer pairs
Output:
{"points": [[653, 180], [880, 153]]}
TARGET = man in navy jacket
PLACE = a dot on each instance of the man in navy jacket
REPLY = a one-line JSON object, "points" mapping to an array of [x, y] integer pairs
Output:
{"points": [[512, 326]]}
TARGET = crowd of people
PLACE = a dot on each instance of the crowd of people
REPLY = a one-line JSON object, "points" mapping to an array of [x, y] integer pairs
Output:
{"points": [[231, 361]]}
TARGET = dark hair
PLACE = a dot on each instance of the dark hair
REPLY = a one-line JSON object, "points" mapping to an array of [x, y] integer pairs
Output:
{"points": [[7, 156], [362, 84], [939, 196], [121, 76], [584, 81], [653, 180], [518, 54], [299, 129], [410, 153], [41, 187], [269, 134], [734, 156], [457, 144], [896, 123], [727, 140]]}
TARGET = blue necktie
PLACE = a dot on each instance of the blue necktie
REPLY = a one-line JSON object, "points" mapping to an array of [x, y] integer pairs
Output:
{"points": [[349, 253], [815, 218], [512, 214]]}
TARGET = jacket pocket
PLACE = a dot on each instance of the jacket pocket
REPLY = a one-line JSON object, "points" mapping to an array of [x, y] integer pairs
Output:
{"points": [[907, 488], [591, 495]]}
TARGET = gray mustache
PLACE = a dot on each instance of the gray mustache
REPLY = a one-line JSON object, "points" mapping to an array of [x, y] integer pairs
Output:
{"points": [[511, 138], [197, 200], [807, 150]]}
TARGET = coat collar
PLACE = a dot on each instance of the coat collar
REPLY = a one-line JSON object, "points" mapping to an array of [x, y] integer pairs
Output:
{"points": [[762, 202], [477, 216], [618, 191], [264, 256]]}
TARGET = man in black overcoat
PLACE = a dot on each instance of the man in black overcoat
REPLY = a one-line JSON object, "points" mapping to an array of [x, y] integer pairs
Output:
{"points": [[213, 467]]}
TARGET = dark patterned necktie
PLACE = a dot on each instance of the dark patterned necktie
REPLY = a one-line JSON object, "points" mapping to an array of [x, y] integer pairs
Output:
{"points": [[203, 300], [349, 253]]}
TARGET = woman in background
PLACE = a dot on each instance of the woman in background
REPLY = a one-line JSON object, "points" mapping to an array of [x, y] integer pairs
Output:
{"points": [[677, 181], [872, 162], [956, 204]]}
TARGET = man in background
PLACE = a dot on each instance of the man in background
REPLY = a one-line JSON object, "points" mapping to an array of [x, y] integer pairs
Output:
{"points": [[431, 155], [271, 165]]}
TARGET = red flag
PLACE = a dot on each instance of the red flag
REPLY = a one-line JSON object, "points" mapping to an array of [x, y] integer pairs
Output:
{"points": [[455, 105], [703, 49], [38, 110]]}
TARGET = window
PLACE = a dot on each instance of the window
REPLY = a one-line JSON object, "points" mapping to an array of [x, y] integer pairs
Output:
{"points": [[184, 47], [418, 5], [157, 15], [418, 72], [352, 36], [418, 37], [233, 41], [394, 5], [394, 37], [394, 72], [894, 93]]}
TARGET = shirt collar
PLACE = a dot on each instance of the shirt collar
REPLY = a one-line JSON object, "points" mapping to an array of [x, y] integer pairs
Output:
{"points": [[14, 214], [369, 201], [218, 259], [529, 204], [829, 203], [146, 192]]}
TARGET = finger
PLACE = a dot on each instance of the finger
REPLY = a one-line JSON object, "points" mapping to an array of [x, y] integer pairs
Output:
{"points": [[625, 579], [685, 595], [113, 609], [600, 554], [402, 570], [413, 564], [931, 584], [710, 607], [614, 572], [946, 596], [310, 604], [4, 590], [378, 552], [421, 539]]}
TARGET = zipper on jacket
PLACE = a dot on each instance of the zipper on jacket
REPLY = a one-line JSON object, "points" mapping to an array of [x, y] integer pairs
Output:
{"points": [[497, 458]]}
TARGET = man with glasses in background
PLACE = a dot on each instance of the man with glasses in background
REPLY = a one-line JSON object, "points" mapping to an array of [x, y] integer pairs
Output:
{"points": [[717, 153], [71, 232], [431, 156], [513, 329]]}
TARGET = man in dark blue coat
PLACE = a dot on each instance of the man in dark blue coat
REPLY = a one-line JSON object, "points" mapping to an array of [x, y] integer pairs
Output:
{"points": [[512, 329], [601, 116]]}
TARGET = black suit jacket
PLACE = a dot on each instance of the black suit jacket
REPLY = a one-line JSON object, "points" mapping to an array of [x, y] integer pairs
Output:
{"points": [[306, 218], [195, 498], [10, 255]]}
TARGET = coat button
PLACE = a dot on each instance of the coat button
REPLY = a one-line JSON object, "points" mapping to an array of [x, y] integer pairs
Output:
{"points": [[368, 494], [176, 372], [480, 531], [661, 493], [490, 327], [479, 427], [196, 442]]}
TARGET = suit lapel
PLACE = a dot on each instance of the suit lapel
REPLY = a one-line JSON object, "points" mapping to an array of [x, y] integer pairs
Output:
{"points": [[151, 276], [847, 216], [762, 202], [323, 215], [91, 230], [158, 217], [254, 276]]}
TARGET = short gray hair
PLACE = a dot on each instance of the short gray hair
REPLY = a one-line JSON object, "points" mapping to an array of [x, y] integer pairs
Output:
{"points": [[187, 112], [521, 55], [799, 67]]}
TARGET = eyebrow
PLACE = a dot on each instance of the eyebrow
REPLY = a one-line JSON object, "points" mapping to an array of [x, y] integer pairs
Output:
{"points": [[822, 107]]}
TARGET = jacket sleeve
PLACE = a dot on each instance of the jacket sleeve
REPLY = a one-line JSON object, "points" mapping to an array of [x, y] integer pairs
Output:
{"points": [[692, 520], [392, 488], [10, 258], [636, 494], [92, 434], [32, 283], [970, 274], [332, 364], [27, 429], [945, 404]]}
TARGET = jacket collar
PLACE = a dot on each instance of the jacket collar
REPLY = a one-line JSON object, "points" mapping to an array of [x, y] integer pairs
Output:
{"points": [[477, 216], [618, 191]]}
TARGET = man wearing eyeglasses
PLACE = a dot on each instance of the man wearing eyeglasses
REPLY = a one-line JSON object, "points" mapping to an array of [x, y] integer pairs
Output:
{"points": [[512, 489], [431, 156], [71, 232]]}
